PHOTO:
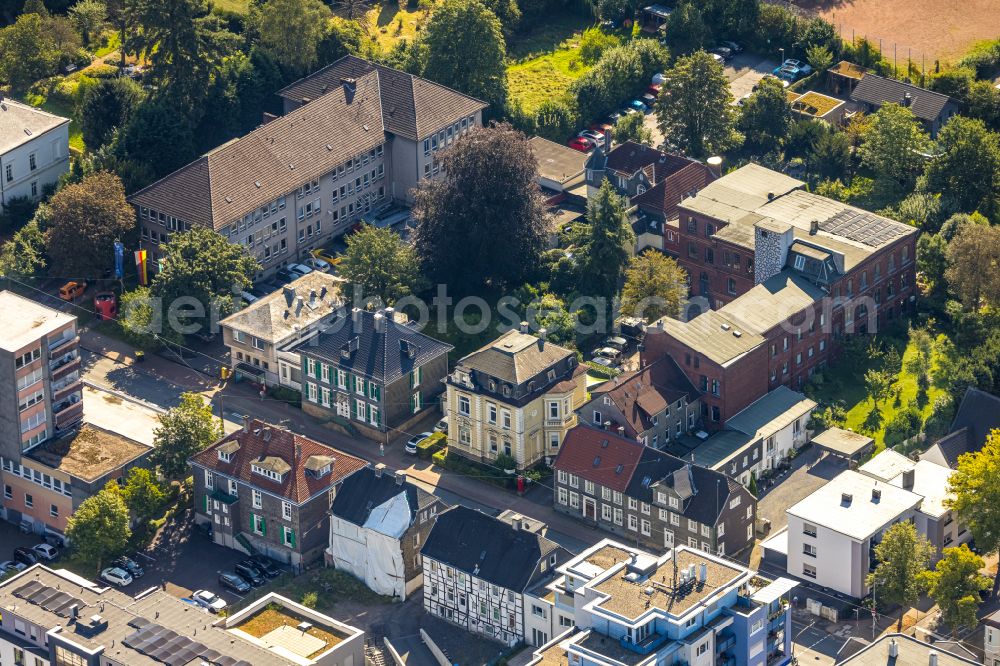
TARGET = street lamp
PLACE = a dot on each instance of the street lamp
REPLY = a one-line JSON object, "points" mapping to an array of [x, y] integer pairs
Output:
{"points": [[782, 49], [796, 637]]}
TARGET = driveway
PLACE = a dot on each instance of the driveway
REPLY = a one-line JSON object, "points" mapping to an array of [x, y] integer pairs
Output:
{"points": [[745, 70], [808, 473]]}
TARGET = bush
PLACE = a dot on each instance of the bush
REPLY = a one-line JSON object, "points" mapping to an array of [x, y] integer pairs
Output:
{"points": [[309, 599], [431, 445], [904, 425], [103, 71], [594, 42], [601, 371], [440, 458], [285, 394]]}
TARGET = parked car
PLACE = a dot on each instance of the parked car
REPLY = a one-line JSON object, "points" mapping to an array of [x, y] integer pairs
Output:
{"points": [[54, 540], [209, 600], [601, 127], [617, 342], [25, 556], [189, 600], [791, 70], [45, 552], [606, 362], [231, 581], [106, 305], [266, 566], [129, 565], [638, 105], [116, 576], [284, 276], [326, 256], [11, 566], [442, 426], [301, 269], [659, 79], [614, 117], [411, 444], [249, 573], [649, 99], [317, 264], [610, 353], [581, 144], [717, 58], [248, 297], [596, 137], [733, 46], [72, 290], [723, 52]]}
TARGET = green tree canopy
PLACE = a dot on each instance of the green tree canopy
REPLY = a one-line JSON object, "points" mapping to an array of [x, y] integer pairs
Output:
{"points": [[203, 265], [158, 137], [766, 116], [903, 554], [382, 264], [88, 16], [955, 584], [83, 222], [686, 29], [974, 496], [99, 528], [892, 143], [631, 127], [106, 106], [966, 167], [184, 430], [27, 52], [487, 196], [24, 254], [697, 115], [142, 493], [972, 272], [609, 242], [292, 31], [655, 287], [466, 51]]}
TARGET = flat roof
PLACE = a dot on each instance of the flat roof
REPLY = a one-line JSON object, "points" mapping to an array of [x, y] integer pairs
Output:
{"points": [[909, 651], [20, 123], [629, 599], [88, 453], [886, 465], [816, 104], [863, 515], [25, 321], [930, 480], [849, 69], [773, 412], [556, 161], [720, 447], [843, 442], [719, 337]]}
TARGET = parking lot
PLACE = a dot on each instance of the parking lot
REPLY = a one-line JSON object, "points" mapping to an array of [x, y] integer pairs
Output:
{"points": [[807, 474], [745, 70]]}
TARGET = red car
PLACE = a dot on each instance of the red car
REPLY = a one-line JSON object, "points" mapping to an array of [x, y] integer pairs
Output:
{"points": [[654, 89], [581, 144], [600, 128]]}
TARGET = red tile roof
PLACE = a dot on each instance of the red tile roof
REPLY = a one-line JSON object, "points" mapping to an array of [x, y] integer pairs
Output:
{"points": [[668, 193], [642, 394], [599, 456], [262, 440]]}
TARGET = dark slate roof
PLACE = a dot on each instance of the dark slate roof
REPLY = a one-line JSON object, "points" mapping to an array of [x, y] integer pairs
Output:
{"points": [[366, 489], [518, 357], [977, 415], [629, 157], [412, 107], [272, 160], [379, 353], [486, 547], [878, 90], [707, 492]]}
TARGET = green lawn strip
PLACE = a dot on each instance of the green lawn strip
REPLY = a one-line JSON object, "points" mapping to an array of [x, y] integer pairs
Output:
{"points": [[67, 111], [545, 62]]}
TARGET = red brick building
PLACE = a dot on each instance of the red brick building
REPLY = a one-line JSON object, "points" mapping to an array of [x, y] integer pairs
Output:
{"points": [[786, 274]]}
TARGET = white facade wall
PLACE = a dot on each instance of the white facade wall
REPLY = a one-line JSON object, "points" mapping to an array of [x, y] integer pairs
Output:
{"points": [[51, 157], [840, 563], [539, 621], [991, 645]]}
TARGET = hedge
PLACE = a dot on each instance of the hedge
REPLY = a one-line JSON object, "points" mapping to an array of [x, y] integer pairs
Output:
{"points": [[602, 371], [431, 445]]}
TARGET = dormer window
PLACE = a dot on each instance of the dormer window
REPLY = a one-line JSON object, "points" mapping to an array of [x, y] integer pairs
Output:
{"points": [[224, 456], [551, 375], [506, 391], [268, 473]]}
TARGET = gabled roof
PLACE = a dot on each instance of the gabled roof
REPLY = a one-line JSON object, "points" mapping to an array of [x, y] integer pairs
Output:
{"points": [[704, 492], [878, 90], [368, 488], [20, 123], [238, 177], [515, 357], [771, 413], [630, 157], [275, 448], [644, 393], [379, 347], [713, 334], [486, 547], [977, 415], [556, 162], [664, 197], [280, 315], [599, 455], [412, 107]]}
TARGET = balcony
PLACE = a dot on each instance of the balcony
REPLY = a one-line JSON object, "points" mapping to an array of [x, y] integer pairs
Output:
{"points": [[724, 644], [68, 414], [727, 659], [646, 646], [65, 386], [62, 366], [62, 343]]}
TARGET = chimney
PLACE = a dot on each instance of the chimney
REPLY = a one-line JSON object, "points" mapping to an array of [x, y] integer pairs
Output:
{"points": [[298, 454], [516, 524], [703, 572], [74, 612], [845, 498], [715, 165], [907, 99], [621, 431], [908, 476], [246, 423], [524, 327], [299, 304], [356, 318], [876, 495], [542, 334], [400, 478], [607, 139], [390, 315], [350, 86], [312, 298], [813, 227], [267, 435], [379, 322], [378, 470], [932, 659], [606, 425], [770, 196], [893, 649]]}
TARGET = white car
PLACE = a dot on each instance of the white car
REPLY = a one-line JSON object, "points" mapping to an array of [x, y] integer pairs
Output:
{"points": [[116, 576], [299, 269], [659, 78], [318, 264], [46, 552], [411, 445], [208, 600]]}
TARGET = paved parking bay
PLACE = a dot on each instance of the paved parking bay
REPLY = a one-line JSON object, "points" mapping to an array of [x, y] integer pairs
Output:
{"points": [[807, 474], [745, 70]]}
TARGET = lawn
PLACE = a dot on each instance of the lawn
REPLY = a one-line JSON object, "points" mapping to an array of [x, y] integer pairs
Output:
{"points": [[846, 385], [395, 22], [544, 62], [67, 111], [238, 6]]}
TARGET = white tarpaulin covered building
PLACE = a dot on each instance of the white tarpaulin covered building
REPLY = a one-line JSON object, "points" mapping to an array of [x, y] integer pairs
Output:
{"points": [[378, 523]]}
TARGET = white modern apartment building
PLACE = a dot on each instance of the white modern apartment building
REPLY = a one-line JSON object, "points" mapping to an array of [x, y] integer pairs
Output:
{"points": [[34, 150]]}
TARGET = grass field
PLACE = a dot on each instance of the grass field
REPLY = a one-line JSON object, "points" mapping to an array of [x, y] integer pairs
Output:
{"points": [[238, 6], [67, 111], [393, 22], [545, 62]]}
